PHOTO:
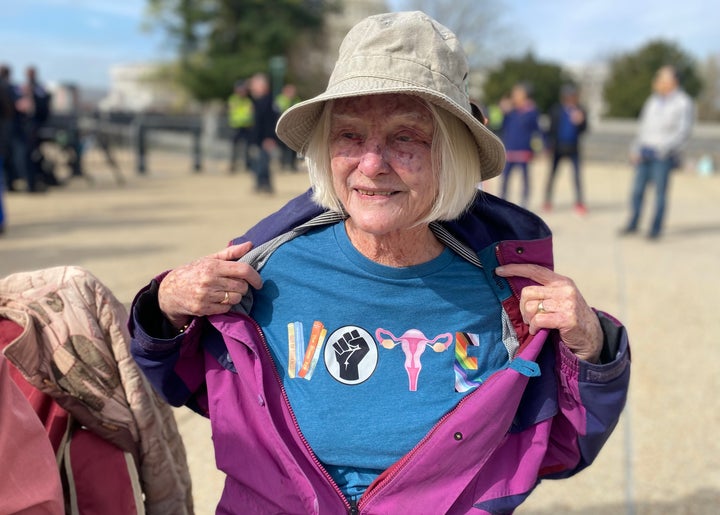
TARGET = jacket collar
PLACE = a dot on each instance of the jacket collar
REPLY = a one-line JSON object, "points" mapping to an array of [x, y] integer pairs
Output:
{"points": [[488, 220]]}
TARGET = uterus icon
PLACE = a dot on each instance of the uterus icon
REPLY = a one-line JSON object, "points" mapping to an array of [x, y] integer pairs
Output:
{"points": [[413, 343]]}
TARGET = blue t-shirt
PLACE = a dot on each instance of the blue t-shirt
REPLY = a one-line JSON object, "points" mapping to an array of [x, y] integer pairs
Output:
{"points": [[371, 356], [519, 127], [567, 130]]}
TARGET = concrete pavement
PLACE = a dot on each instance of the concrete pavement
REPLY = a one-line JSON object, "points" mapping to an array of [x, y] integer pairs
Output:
{"points": [[664, 456]]}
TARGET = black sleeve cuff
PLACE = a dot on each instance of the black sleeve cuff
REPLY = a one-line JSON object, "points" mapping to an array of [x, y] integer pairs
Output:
{"points": [[612, 337], [150, 318]]}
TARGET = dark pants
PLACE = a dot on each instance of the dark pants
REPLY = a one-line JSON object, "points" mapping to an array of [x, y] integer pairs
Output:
{"points": [[261, 169], [5, 153], [656, 171], [21, 166], [575, 160], [36, 176], [2, 188], [526, 181], [288, 158], [27, 158], [240, 147]]}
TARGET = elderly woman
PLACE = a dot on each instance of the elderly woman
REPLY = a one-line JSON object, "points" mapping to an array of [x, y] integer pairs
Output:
{"points": [[392, 341]]}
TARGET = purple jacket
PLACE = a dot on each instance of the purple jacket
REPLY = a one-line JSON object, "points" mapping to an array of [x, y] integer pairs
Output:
{"points": [[545, 416]]}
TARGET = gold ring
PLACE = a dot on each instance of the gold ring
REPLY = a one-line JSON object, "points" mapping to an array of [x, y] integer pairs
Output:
{"points": [[541, 308], [226, 299]]}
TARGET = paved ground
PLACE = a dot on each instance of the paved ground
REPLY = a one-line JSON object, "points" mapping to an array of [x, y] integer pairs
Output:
{"points": [[664, 457]]}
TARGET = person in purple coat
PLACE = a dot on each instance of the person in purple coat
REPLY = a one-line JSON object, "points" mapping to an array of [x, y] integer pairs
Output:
{"points": [[520, 125], [393, 340]]}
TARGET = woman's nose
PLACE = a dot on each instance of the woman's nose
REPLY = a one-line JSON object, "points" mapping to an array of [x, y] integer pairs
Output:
{"points": [[372, 160]]}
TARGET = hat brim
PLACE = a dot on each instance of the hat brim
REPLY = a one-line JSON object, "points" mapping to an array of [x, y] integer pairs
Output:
{"points": [[297, 123]]}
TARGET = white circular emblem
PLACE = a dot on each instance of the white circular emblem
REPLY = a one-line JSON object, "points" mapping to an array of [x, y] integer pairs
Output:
{"points": [[351, 354]]}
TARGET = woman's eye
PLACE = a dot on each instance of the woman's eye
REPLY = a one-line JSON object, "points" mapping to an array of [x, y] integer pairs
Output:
{"points": [[351, 136], [408, 137]]}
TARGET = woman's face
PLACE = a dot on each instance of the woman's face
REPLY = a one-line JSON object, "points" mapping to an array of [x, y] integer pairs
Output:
{"points": [[380, 159]]}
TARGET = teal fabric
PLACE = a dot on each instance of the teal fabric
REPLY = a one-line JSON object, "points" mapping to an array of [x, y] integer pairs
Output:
{"points": [[387, 364]]}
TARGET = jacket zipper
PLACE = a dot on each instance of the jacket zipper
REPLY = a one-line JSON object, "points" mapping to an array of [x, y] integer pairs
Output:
{"points": [[516, 295], [351, 508], [354, 507], [397, 467], [395, 470], [498, 256]]}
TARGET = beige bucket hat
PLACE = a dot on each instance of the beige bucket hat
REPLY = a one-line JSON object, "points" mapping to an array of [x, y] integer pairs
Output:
{"points": [[405, 52]]}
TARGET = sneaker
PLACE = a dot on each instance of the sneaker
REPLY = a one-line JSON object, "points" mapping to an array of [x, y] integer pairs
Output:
{"points": [[580, 209], [547, 207], [627, 231]]}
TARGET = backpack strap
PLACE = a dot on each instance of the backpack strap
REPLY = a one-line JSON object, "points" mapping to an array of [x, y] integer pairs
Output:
{"points": [[98, 476]]}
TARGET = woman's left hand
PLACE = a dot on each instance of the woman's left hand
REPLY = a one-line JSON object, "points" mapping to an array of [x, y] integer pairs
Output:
{"points": [[556, 303]]}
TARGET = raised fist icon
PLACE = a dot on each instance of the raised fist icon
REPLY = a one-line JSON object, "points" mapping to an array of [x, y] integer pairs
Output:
{"points": [[350, 349]]}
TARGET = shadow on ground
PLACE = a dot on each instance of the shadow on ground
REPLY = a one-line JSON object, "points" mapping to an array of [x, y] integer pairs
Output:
{"points": [[695, 230], [32, 260], [22, 230], [702, 502]]}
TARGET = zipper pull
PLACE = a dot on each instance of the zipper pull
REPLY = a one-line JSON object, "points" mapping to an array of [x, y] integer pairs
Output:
{"points": [[353, 507]]}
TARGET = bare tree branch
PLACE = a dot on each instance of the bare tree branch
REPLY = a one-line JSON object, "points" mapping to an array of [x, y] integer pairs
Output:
{"points": [[478, 24]]}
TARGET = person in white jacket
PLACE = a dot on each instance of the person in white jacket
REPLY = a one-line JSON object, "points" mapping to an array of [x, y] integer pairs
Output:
{"points": [[666, 120]]}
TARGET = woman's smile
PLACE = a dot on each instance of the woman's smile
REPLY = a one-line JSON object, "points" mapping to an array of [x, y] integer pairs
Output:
{"points": [[381, 161]]}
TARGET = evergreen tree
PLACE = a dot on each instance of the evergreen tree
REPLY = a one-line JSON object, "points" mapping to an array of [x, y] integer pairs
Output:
{"points": [[220, 41], [546, 79], [630, 78]]}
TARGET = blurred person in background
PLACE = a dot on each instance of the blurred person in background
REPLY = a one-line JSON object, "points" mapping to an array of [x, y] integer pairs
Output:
{"points": [[568, 121], [35, 103], [16, 163], [519, 126], [284, 101], [393, 340], [496, 114], [665, 124], [7, 113], [240, 120], [262, 136]]}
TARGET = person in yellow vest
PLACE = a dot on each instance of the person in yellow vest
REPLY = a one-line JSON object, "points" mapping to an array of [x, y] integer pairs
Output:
{"points": [[286, 99], [496, 114], [240, 120]]}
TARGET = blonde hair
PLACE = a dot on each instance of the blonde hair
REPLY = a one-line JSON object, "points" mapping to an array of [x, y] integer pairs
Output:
{"points": [[455, 163]]}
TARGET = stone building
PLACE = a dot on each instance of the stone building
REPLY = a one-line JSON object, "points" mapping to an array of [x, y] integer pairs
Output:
{"points": [[140, 87]]}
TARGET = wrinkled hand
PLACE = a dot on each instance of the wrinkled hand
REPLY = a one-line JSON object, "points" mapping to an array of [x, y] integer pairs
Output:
{"points": [[199, 288], [565, 309]]}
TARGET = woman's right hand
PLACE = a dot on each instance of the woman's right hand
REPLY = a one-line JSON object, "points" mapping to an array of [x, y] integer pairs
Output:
{"points": [[207, 286]]}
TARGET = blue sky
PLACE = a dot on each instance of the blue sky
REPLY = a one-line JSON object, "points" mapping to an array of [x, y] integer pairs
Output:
{"points": [[79, 40]]}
